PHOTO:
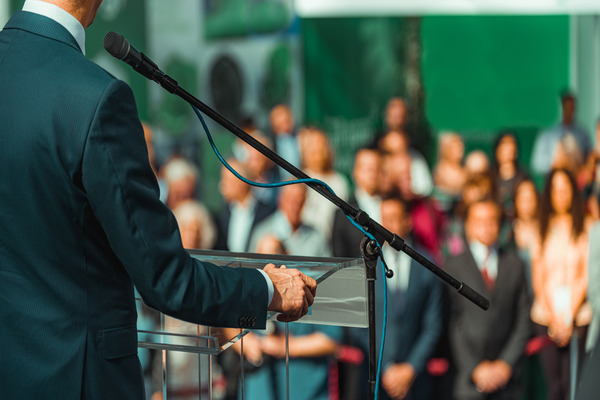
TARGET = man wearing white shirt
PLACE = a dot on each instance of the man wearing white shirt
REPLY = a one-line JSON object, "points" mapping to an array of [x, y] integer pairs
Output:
{"points": [[345, 238], [414, 322], [287, 226], [242, 213]]}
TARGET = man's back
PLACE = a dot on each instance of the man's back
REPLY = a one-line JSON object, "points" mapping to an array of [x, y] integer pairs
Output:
{"points": [[60, 278], [80, 219]]}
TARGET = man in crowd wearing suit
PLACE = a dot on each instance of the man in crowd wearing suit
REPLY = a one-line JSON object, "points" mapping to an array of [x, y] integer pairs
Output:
{"points": [[414, 314], [488, 346], [242, 211], [345, 238], [81, 221], [286, 225]]}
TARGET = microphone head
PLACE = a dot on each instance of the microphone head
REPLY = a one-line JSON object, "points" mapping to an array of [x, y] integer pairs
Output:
{"points": [[116, 45]]}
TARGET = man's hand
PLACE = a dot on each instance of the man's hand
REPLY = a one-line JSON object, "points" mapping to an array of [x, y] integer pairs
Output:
{"points": [[397, 380], [274, 345], [293, 293], [252, 348], [490, 376]]}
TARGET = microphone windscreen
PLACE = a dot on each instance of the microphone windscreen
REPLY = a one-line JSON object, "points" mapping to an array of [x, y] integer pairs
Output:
{"points": [[116, 44]]}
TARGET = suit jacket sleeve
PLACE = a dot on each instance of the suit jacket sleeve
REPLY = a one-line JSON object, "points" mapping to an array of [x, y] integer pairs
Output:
{"points": [[123, 195], [465, 355], [431, 327], [514, 348]]}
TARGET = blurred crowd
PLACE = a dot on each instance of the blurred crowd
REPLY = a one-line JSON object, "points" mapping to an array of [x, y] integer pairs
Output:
{"points": [[519, 234]]}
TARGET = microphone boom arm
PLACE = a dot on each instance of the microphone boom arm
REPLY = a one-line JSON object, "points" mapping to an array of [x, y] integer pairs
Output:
{"points": [[120, 48]]}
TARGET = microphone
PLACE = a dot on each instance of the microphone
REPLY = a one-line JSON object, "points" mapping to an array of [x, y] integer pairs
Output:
{"points": [[119, 47]]}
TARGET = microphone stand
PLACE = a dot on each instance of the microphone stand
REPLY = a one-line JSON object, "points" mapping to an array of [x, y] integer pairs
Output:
{"points": [[146, 67]]}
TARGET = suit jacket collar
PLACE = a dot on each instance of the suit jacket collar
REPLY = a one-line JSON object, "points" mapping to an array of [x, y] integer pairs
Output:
{"points": [[42, 26], [475, 278]]}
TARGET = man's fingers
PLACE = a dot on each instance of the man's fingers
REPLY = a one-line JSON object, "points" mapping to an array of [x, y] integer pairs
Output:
{"points": [[304, 306], [310, 283], [309, 296], [288, 317], [268, 267]]}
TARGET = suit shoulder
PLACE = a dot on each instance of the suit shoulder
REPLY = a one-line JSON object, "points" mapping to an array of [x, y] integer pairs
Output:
{"points": [[455, 262], [511, 256], [98, 76]]}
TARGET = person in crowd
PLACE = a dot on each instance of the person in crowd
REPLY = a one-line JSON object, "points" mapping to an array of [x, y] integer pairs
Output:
{"points": [[526, 224], [181, 177], [488, 346], [317, 161], [345, 242], [414, 299], [287, 225], [260, 169], [449, 174], [564, 141], [559, 276], [162, 185], [184, 379], [387, 184], [281, 121], [397, 142], [197, 228], [311, 348], [593, 292], [240, 148], [396, 115], [345, 238], [568, 155], [428, 220], [476, 187], [477, 163], [588, 179], [507, 171], [242, 211], [69, 293]]}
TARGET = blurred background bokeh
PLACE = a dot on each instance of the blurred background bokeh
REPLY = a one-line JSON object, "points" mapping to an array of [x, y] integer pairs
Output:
{"points": [[474, 69]]}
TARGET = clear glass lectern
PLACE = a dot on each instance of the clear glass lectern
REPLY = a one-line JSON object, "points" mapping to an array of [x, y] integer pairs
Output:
{"points": [[185, 351]]}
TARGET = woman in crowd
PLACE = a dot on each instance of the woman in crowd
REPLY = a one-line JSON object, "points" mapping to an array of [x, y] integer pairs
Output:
{"points": [[526, 227], [507, 171], [197, 228], [559, 276], [449, 175], [317, 161]]}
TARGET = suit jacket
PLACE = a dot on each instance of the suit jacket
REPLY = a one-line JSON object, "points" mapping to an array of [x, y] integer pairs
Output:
{"points": [[414, 324], [80, 221], [498, 333], [345, 237], [261, 212]]}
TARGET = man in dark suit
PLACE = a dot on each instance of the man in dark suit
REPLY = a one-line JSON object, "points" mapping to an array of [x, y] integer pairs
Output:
{"points": [[414, 310], [345, 242], [345, 238], [488, 346], [80, 221], [242, 211]]}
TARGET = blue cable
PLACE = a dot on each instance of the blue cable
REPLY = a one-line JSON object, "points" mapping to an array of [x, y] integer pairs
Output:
{"points": [[248, 181], [318, 182]]}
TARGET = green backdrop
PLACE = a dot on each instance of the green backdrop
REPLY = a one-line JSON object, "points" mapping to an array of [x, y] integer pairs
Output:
{"points": [[480, 74], [486, 73]]}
